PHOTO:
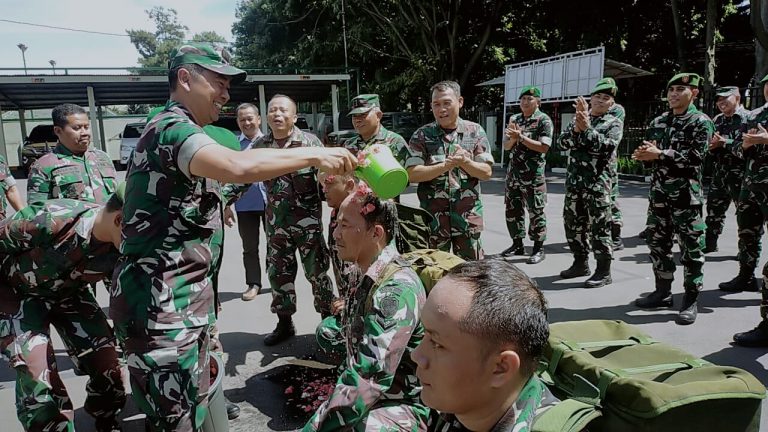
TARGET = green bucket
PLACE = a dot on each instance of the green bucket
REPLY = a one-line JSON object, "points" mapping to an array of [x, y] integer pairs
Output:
{"points": [[216, 419], [383, 173]]}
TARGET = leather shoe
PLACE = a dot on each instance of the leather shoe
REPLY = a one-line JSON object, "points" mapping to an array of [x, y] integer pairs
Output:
{"points": [[251, 292]]}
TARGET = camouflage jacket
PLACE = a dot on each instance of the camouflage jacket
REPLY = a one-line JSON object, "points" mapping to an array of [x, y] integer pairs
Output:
{"points": [[394, 141], [617, 111], [533, 400], [431, 144], [730, 128], [591, 152], [170, 219], [90, 177], [382, 327], [756, 172], [6, 182], [47, 250], [683, 140], [526, 166], [296, 196]]}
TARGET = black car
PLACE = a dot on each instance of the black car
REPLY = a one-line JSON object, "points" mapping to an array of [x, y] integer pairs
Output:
{"points": [[41, 140]]}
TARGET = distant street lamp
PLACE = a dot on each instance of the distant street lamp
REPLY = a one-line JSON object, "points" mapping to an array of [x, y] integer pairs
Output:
{"points": [[53, 65], [23, 49]]}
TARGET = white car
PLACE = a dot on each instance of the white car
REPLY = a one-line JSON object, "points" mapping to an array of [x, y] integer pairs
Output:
{"points": [[128, 140]]}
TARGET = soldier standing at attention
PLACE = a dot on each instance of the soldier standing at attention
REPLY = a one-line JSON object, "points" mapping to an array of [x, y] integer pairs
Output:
{"points": [[728, 168], [377, 389], [162, 302], [592, 138], [752, 214], [448, 158], [49, 253], [9, 193], [73, 169], [675, 149], [294, 222], [527, 137]]}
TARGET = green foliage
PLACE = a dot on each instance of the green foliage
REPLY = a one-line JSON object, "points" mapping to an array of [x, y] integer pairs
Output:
{"points": [[627, 165]]}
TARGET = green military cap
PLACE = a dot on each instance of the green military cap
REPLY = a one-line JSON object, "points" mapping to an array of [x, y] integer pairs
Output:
{"points": [[530, 90], [363, 103], [726, 91], [607, 86], [685, 78], [765, 78], [207, 56]]}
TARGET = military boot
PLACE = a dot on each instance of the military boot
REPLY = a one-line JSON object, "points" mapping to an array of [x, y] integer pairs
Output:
{"points": [[643, 234], [602, 274], [233, 411], [690, 309], [662, 297], [580, 267], [618, 243], [517, 248], [537, 253], [757, 337], [710, 243], [744, 281], [284, 331]]}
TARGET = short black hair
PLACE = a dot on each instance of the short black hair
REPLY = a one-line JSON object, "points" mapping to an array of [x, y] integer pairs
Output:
{"points": [[173, 74], [446, 85], [507, 308], [384, 213], [60, 113], [114, 203]]}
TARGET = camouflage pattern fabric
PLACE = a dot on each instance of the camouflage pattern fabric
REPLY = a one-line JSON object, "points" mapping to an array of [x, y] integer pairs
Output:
{"points": [[453, 198], [47, 259], [294, 222], [6, 182], [526, 185], [676, 194], [533, 400], [727, 170], [394, 141], [89, 177], [378, 389], [588, 185], [617, 219]]}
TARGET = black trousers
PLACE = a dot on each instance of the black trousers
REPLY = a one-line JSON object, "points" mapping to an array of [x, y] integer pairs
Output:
{"points": [[248, 224]]}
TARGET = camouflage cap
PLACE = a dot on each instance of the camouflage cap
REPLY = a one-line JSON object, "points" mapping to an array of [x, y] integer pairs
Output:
{"points": [[530, 90], [363, 103], [207, 56], [685, 78], [607, 86], [726, 91]]}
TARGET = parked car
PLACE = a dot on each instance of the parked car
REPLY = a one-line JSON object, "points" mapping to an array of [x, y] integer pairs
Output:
{"points": [[346, 132], [41, 140], [128, 140], [403, 123]]}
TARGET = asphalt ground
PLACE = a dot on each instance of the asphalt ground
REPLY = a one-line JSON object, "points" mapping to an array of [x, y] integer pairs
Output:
{"points": [[254, 373]]}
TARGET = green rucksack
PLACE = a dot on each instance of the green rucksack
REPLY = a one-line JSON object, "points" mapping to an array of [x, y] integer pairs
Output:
{"points": [[429, 264], [612, 377], [414, 229]]}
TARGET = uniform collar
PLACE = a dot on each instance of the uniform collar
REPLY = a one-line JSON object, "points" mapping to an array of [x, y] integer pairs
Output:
{"points": [[461, 126], [296, 135], [378, 136], [61, 149], [387, 255]]}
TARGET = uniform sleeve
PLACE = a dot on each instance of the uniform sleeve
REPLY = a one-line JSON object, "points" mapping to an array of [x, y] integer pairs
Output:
{"points": [[25, 230], [38, 184], [6, 178], [414, 154], [481, 152], [692, 155], [388, 327], [607, 139], [546, 131], [568, 138], [399, 149], [179, 141]]}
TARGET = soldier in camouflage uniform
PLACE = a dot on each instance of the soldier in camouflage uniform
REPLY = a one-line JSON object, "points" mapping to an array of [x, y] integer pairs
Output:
{"points": [[377, 389], [527, 137], [728, 168], [448, 158], [9, 193], [294, 223], [49, 253], [675, 146], [73, 169], [617, 219], [162, 302], [591, 139], [366, 118], [752, 214], [485, 327]]}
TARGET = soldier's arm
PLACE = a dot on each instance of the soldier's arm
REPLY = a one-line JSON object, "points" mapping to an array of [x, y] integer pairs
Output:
{"points": [[481, 164], [9, 187], [388, 328], [415, 161], [691, 155], [14, 197], [38, 184], [25, 230], [569, 138], [546, 130], [607, 139]]}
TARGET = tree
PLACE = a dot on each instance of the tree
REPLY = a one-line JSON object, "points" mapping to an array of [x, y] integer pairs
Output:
{"points": [[155, 48], [210, 37]]}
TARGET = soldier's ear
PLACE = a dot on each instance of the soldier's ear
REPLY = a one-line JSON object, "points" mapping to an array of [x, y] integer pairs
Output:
{"points": [[506, 368], [118, 218], [695, 91], [379, 231]]}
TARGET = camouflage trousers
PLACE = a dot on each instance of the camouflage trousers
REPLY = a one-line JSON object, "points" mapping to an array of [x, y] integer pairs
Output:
{"points": [[617, 220], [752, 215], [453, 229], [386, 416], [725, 188], [170, 375], [587, 219], [330, 336], [282, 266], [664, 221], [42, 402], [519, 197]]}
